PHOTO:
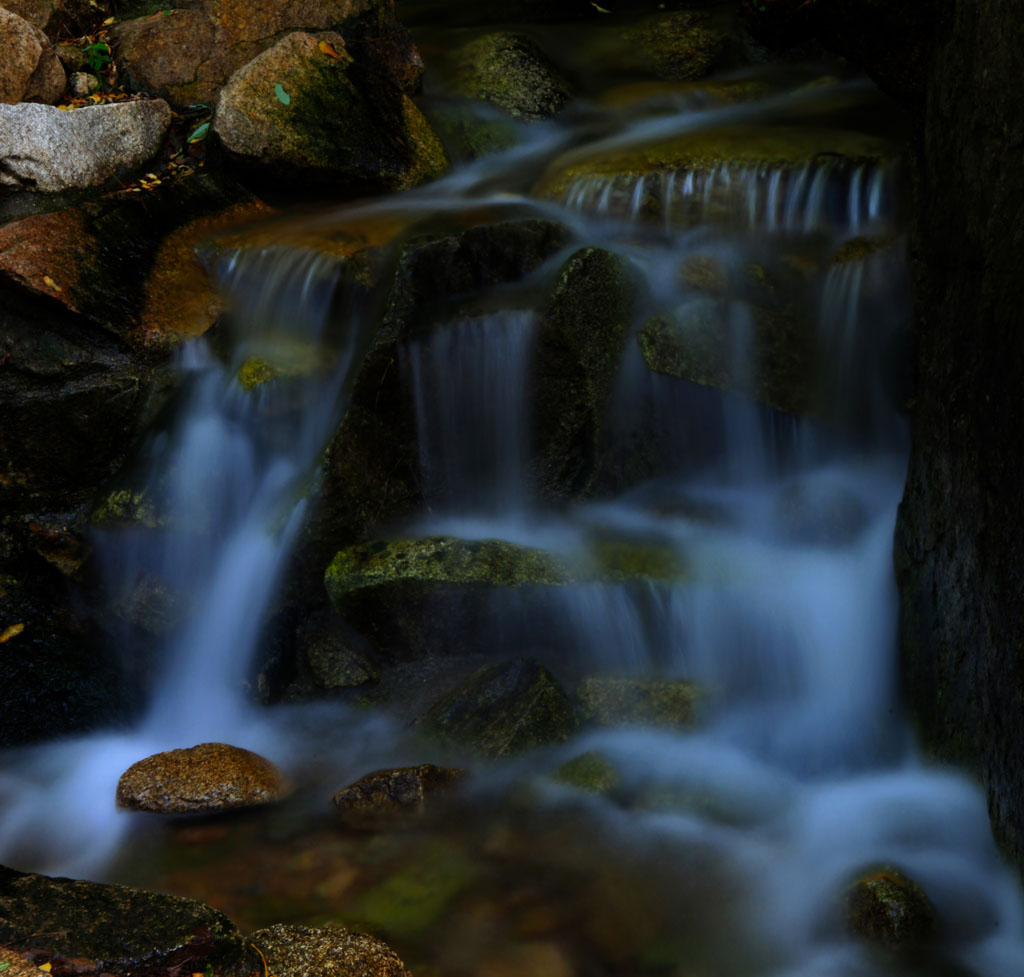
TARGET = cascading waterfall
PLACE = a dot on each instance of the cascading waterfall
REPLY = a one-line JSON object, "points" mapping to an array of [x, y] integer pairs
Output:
{"points": [[802, 770]]}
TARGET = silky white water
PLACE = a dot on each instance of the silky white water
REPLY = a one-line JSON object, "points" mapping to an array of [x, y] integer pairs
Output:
{"points": [[804, 766]]}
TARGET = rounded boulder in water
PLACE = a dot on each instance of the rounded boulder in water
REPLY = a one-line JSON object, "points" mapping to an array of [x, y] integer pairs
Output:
{"points": [[393, 798], [200, 780], [885, 907]]}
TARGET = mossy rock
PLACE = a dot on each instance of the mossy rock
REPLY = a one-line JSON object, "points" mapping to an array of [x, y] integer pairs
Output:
{"points": [[304, 951], [592, 772], [608, 700], [123, 930], [305, 111], [677, 46], [887, 908], [504, 709], [580, 339], [126, 507], [417, 895], [469, 129], [411, 597], [512, 72], [707, 339]]}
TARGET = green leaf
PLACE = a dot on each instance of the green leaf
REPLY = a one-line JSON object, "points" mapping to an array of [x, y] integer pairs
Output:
{"points": [[200, 133], [600, 10], [282, 96], [4, 964]]}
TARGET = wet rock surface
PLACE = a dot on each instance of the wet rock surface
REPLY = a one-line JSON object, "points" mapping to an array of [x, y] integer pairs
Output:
{"points": [[394, 798], [30, 70], [120, 930], [204, 778], [306, 951], [504, 709], [887, 908]]}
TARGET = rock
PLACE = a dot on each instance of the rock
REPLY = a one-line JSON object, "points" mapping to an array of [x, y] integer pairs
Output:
{"points": [[469, 129], [120, 930], [504, 709], [411, 597], [82, 83], [30, 70], [511, 71], [18, 965], [44, 149], [70, 18], [188, 54], [334, 660], [396, 798], [677, 46], [592, 772], [304, 111], [887, 908], [607, 700], [578, 352], [767, 353], [305, 951], [204, 778]]}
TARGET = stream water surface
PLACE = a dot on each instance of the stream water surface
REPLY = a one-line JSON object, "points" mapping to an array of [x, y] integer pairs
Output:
{"points": [[724, 850]]}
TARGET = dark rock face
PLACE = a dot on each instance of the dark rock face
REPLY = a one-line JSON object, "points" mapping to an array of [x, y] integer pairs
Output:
{"points": [[960, 533], [124, 931], [393, 798]]}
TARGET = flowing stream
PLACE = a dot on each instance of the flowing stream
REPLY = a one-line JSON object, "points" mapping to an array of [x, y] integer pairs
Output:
{"points": [[803, 770]]}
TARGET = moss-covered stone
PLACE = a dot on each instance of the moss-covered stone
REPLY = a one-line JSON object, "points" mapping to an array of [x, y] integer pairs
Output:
{"points": [[580, 339], [592, 772], [416, 896], [608, 700], [511, 71], [395, 798], [125, 506], [887, 908], [470, 130], [676, 46], [305, 111], [123, 931], [504, 709]]}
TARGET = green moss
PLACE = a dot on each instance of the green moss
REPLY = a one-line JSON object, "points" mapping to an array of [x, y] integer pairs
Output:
{"points": [[417, 895], [127, 506], [616, 701], [592, 772], [254, 373]]}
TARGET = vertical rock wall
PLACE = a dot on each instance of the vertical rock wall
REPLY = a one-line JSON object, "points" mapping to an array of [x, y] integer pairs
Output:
{"points": [[960, 537]]}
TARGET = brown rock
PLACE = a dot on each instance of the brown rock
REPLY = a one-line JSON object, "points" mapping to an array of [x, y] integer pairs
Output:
{"points": [[29, 68], [885, 907], [72, 17], [161, 53], [393, 798], [207, 777], [305, 951]]}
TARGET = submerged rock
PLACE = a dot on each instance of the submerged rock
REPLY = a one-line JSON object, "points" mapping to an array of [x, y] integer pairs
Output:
{"points": [[204, 778], [609, 700], [45, 149], [511, 71], [504, 709], [592, 772], [306, 951], [887, 908], [395, 798], [303, 110], [30, 70], [120, 930]]}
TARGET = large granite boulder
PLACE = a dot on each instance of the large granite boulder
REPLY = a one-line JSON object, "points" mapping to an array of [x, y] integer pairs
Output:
{"points": [[118, 930], [29, 70], [43, 148], [305, 111], [204, 778]]}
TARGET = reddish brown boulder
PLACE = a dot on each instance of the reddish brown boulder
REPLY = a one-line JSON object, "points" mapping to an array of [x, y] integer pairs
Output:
{"points": [[29, 68]]}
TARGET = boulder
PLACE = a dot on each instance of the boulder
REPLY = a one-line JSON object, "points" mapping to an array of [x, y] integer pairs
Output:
{"points": [[592, 772], [395, 798], [119, 930], [512, 72], [45, 149], [610, 700], [333, 659], [885, 907], [189, 52], [677, 46], [305, 951], [30, 70], [202, 779], [415, 598], [305, 111], [70, 18], [504, 709], [580, 339]]}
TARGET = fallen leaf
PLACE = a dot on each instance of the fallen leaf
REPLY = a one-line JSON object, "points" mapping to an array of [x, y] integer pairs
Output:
{"points": [[600, 10], [46, 966], [201, 132], [52, 284], [282, 96], [108, 21], [4, 964], [326, 47], [12, 632]]}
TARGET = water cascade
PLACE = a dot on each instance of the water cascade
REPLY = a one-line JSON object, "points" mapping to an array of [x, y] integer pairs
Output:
{"points": [[774, 500]]}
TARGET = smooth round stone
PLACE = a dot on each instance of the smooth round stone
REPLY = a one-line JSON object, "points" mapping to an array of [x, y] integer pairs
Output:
{"points": [[202, 779]]}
